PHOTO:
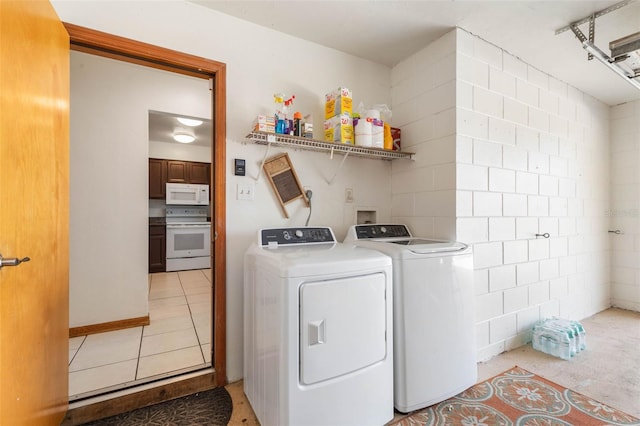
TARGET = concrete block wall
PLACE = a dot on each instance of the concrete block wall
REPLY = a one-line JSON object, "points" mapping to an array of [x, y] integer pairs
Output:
{"points": [[423, 95], [530, 155], [533, 159], [625, 205]]}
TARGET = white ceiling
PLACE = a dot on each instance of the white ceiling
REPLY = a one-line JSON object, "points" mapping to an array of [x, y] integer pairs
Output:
{"points": [[163, 125], [387, 32]]}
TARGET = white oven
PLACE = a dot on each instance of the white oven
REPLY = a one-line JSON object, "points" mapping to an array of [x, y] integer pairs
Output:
{"points": [[187, 194], [188, 239]]}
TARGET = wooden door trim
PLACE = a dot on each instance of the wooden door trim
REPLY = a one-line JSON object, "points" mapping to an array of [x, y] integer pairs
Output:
{"points": [[115, 47], [164, 392]]}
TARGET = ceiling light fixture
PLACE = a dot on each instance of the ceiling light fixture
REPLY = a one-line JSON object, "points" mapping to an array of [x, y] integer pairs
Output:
{"points": [[183, 138], [191, 122], [602, 57]]}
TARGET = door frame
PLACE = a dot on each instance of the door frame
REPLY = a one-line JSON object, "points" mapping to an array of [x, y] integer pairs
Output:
{"points": [[107, 45]]}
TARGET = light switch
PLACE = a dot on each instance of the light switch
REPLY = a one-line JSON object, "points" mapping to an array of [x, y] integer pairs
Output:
{"points": [[245, 191]]}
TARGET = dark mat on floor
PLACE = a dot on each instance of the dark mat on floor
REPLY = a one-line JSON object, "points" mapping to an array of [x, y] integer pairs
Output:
{"points": [[212, 408]]}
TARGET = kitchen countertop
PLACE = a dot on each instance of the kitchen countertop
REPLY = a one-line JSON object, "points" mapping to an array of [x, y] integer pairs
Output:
{"points": [[157, 221]]}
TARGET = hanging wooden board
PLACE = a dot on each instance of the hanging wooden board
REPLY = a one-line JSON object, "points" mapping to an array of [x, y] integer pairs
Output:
{"points": [[284, 180]]}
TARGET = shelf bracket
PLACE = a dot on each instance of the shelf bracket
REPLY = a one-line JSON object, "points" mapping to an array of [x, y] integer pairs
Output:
{"points": [[595, 15], [330, 181], [264, 158]]}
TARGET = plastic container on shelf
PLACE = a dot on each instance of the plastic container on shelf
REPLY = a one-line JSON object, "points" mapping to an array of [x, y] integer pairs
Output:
{"points": [[362, 129], [297, 124]]}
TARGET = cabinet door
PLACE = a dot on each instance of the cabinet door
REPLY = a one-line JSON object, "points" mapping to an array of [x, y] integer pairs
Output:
{"points": [[199, 173], [157, 178], [177, 171], [157, 249]]}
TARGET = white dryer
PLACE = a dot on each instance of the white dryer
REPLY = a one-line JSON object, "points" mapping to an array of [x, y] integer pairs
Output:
{"points": [[434, 323], [317, 330]]}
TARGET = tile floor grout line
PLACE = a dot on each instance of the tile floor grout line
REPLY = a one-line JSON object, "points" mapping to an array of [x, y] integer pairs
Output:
{"points": [[199, 344], [195, 330], [135, 376], [75, 354]]}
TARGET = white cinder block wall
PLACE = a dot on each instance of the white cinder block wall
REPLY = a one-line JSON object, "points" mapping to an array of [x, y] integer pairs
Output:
{"points": [[625, 205], [424, 106], [506, 151]]}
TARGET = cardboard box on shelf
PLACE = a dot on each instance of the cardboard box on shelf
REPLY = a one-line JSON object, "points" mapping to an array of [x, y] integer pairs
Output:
{"points": [[395, 135], [338, 102], [307, 130], [339, 129], [264, 123]]}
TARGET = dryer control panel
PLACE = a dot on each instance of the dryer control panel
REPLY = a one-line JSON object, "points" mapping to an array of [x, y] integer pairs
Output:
{"points": [[364, 232], [290, 236]]}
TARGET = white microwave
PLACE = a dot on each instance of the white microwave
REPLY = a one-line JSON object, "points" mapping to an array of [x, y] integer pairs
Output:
{"points": [[187, 194]]}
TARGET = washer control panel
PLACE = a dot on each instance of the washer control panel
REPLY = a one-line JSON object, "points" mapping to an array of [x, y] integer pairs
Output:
{"points": [[274, 237], [364, 232]]}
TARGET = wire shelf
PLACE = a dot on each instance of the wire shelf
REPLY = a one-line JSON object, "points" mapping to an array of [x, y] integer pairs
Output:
{"points": [[308, 144]]}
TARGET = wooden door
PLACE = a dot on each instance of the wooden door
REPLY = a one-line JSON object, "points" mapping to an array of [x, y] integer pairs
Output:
{"points": [[34, 214]]}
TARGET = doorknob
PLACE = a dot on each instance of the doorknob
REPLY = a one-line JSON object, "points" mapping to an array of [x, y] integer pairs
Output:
{"points": [[12, 261]]}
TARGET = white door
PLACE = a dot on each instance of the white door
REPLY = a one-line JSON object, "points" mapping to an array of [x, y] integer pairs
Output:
{"points": [[342, 326]]}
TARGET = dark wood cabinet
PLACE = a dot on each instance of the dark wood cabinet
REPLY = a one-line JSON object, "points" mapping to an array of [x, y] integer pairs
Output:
{"points": [[199, 173], [157, 248], [157, 178], [175, 171], [178, 171]]}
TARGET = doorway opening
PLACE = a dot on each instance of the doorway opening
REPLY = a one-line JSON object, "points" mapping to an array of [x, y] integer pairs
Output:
{"points": [[130, 51]]}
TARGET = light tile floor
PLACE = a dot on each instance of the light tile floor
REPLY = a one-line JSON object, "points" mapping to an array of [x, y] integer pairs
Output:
{"points": [[178, 337], [608, 370]]}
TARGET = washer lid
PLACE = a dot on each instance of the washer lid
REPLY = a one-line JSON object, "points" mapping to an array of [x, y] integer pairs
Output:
{"points": [[422, 246]]}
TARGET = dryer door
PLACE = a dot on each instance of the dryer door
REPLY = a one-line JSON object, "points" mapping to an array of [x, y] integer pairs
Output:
{"points": [[342, 326]]}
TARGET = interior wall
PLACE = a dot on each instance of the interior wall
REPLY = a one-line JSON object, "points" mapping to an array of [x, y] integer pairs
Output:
{"points": [[260, 62], [184, 152], [530, 155], [110, 102], [625, 205], [533, 159], [489, 131], [424, 107]]}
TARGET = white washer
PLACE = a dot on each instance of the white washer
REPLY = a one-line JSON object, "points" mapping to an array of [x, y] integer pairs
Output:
{"points": [[434, 328], [317, 330]]}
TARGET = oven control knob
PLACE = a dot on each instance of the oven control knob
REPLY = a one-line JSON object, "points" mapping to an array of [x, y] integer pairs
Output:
{"points": [[383, 229], [286, 235], [299, 233]]}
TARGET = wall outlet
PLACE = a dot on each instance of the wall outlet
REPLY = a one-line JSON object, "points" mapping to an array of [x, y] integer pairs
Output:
{"points": [[245, 191], [348, 195]]}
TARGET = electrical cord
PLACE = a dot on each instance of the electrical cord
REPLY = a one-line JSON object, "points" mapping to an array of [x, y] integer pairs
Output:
{"points": [[309, 194]]}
